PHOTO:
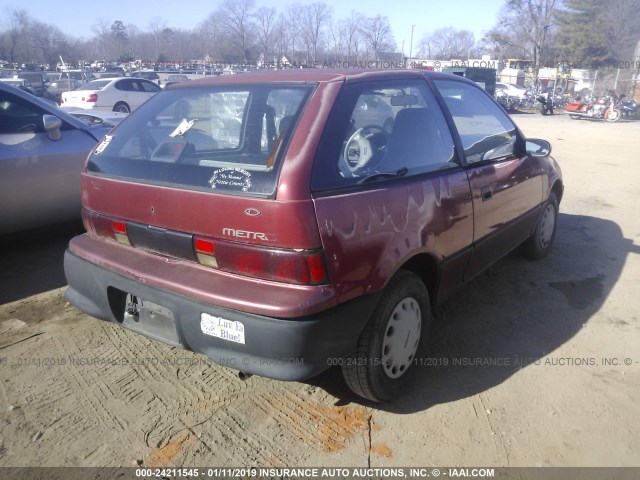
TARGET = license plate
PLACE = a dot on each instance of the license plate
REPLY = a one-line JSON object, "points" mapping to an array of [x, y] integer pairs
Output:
{"points": [[221, 328]]}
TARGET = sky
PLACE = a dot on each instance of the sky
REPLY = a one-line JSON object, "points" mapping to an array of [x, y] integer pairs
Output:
{"points": [[76, 17]]}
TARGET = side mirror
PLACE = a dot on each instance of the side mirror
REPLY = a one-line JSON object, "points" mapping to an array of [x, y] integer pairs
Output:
{"points": [[52, 125], [537, 147]]}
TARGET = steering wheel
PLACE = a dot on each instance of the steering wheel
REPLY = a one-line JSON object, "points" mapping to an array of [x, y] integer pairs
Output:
{"points": [[365, 149]]}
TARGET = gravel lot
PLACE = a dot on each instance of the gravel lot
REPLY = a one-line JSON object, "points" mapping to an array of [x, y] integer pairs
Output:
{"points": [[543, 364]]}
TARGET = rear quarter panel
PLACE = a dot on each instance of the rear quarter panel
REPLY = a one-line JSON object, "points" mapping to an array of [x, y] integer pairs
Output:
{"points": [[369, 235]]}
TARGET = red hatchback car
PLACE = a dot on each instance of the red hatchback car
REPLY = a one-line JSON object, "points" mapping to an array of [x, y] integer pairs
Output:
{"points": [[284, 222]]}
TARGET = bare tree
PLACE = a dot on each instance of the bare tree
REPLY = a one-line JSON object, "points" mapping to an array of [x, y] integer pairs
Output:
{"points": [[525, 25], [156, 26], [377, 33], [315, 18], [281, 36], [266, 20], [19, 21], [448, 43], [293, 27], [103, 39], [353, 34], [236, 16]]}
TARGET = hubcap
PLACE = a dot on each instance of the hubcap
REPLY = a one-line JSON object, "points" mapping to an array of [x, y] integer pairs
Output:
{"points": [[401, 337], [546, 227]]}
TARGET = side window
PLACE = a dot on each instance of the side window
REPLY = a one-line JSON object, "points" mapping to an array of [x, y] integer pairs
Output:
{"points": [[486, 131], [282, 105], [148, 87], [19, 116], [386, 129], [127, 85]]}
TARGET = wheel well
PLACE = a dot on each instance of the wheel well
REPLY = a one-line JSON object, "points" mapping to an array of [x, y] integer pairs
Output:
{"points": [[425, 267], [557, 189]]}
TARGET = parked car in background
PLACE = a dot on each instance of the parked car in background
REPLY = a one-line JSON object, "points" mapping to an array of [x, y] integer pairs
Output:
{"points": [[320, 219], [57, 87], [147, 75], [171, 79], [119, 71], [42, 150], [83, 76], [53, 76], [38, 80], [20, 83], [117, 94], [109, 75]]}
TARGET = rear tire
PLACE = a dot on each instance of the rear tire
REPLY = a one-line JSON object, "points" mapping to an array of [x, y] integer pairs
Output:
{"points": [[389, 344], [121, 107], [539, 244]]}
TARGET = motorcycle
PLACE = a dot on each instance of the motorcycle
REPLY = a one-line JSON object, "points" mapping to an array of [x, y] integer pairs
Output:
{"points": [[603, 108], [546, 103], [630, 109]]}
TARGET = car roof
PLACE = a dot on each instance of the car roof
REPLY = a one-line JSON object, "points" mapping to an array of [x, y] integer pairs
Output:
{"points": [[318, 75]]}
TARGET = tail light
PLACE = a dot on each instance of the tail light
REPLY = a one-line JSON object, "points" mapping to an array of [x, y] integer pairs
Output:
{"points": [[300, 267], [104, 226], [290, 266], [91, 98]]}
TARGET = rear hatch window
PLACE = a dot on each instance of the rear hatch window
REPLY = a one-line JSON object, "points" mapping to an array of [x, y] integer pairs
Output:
{"points": [[223, 139]]}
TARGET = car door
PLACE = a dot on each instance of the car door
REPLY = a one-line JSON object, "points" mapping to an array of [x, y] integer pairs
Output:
{"points": [[39, 177], [127, 93], [506, 184], [388, 187]]}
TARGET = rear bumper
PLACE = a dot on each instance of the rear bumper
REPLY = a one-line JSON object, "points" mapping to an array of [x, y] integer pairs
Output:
{"points": [[284, 349]]}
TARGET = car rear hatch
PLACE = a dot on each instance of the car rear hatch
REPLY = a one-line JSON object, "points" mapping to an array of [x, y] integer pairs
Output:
{"points": [[193, 176]]}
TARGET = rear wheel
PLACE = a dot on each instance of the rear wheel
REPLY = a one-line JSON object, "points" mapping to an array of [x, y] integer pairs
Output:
{"points": [[121, 107], [388, 346], [540, 242]]}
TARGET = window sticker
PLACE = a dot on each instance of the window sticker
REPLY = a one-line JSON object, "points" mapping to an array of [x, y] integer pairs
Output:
{"points": [[183, 127], [231, 178], [103, 144]]}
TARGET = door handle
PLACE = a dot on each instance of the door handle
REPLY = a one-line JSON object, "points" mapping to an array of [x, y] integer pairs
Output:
{"points": [[486, 193]]}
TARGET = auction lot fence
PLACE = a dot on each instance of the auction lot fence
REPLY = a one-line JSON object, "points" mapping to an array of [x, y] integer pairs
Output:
{"points": [[300, 473]]}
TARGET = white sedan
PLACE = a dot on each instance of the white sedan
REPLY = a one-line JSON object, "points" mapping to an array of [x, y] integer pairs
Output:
{"points": [[122, 94]]}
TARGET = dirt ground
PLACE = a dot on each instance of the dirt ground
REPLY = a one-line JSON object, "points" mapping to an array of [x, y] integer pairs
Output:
{"points": [[543, 359]]}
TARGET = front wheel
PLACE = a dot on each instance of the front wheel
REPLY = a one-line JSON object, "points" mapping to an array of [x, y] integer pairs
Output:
{"points": [[539, 244], [388, 345], [614, 115]]}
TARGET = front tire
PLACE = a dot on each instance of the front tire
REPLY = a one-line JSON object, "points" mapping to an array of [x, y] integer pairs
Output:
{"points": [[388, 345], [540, 242], [614, 115]]}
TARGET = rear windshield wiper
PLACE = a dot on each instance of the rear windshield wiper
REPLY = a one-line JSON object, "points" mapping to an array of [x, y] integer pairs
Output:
{"points": [[377, 176]]}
